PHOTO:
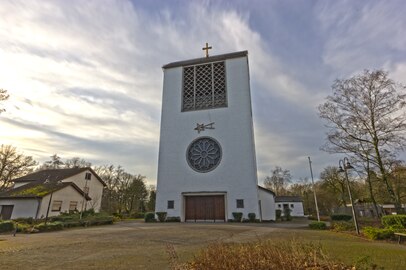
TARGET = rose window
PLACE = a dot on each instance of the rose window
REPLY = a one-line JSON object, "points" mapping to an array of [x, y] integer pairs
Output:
{"points": [[204, 154]]}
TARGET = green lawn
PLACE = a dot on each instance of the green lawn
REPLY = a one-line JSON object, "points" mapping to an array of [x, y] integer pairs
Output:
{"points": [[349, 248]]}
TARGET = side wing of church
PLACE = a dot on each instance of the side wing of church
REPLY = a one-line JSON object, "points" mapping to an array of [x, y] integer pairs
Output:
{"points": [[207, 167]]}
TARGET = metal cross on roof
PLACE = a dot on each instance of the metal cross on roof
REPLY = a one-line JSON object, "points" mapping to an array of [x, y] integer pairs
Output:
{"points": [[207, 48]]}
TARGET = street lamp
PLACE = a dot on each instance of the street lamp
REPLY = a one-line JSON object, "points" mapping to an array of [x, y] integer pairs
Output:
{"points": [[346, 165]]}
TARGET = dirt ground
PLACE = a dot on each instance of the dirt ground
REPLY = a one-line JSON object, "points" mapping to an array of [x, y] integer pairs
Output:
{"points": [[128, 245]]}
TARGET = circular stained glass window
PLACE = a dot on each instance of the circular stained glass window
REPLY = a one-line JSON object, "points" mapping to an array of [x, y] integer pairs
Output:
{"points": [[203, 154]]}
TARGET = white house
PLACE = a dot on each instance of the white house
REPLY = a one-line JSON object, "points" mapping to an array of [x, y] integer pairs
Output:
{"points": [[51, 192], [294, 203], [207, 167]]}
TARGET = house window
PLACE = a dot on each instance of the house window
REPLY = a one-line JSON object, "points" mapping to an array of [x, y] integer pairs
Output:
{"points": [[292, 206], [73, 206], [88, 176], [240, 203], [56, 206], [279, 205], [171, 204], [204, 87]]}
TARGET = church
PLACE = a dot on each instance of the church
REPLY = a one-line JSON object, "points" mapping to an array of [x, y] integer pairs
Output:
{"points": [[207, 166]]}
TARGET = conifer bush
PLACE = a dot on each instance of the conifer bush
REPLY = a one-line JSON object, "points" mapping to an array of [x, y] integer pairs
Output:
{"points": [[237, 216], [161, 216]]}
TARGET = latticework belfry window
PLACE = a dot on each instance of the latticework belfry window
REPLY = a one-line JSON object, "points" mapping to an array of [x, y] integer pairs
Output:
{"points": [[204, 87]]}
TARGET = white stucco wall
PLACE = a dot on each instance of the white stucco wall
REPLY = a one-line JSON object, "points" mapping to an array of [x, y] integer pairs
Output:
{"points": [[236, 174], [267, 205], [23, 208], [295, 207], [95, 188], [66, 195]]}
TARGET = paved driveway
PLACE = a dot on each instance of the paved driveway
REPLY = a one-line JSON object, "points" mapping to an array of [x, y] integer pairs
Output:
{"points": [[125, 245]]}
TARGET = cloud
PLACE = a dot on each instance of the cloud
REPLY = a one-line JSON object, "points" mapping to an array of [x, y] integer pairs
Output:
{"points": [[362, 35], [85, 78]]}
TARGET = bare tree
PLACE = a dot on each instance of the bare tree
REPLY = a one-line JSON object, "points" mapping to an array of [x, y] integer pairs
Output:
{"points": [[365, 118], [3, 96], [332, 180], [76, 162], [279, 180], [13, 165]]}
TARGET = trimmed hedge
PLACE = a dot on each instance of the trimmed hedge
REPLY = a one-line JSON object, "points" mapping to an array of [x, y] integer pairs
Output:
{"points": [[318, 225], [394, 220], [172, 219], [341, 217], [149, 217], [7, 226], [376, 233]]}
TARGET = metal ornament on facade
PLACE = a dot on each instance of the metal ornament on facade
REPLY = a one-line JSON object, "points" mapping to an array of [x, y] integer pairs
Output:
{"points": [[202, 127], [204, 154]]}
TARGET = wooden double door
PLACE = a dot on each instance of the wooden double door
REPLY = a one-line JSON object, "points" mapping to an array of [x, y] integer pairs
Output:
{"points": [[205, 208]]}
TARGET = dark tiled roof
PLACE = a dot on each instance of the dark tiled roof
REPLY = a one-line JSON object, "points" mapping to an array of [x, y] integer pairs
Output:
{"points": [[288, 199], [55, 175], [204, 60], [38, 189], [266, 190]]}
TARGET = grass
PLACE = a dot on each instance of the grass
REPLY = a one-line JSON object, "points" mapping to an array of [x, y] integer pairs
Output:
{"points": [[350, 249], [137, 245]]}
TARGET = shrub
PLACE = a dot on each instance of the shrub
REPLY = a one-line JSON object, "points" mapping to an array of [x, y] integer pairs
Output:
{"points": [[278, 213], [237, 216], [161, 216], [149, 217], [341, 217], [50, 226], [251, 217], [137, 215], [7, 226], [342, 226], [394, 220], [377, 233], [99, 220], [318, 225], [23, 227], [28, 220], [172, 219], [286, 213]]}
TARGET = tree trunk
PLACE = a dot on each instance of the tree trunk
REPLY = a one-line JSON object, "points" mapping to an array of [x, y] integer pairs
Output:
{"points": [[385, 180], [371, 193]]}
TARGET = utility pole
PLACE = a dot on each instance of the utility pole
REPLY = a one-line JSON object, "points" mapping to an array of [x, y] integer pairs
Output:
{"points": [[314, 190]]}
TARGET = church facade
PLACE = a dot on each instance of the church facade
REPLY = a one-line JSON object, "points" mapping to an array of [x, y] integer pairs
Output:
{"points": [[207, 167]]}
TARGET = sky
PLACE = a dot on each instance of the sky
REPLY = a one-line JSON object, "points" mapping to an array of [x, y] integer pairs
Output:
{"points": [[85, 77]]}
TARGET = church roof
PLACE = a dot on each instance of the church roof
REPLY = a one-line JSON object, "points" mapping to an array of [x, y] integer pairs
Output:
{"points": [[204, 60], [288, 199], [266, 190]]}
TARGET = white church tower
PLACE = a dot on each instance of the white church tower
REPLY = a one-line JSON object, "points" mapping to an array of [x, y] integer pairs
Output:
{"points": [[207, 168]]}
